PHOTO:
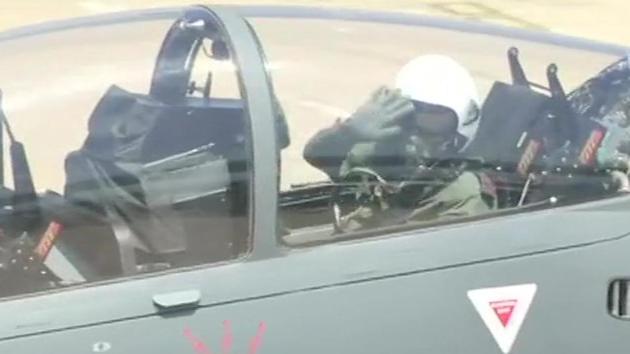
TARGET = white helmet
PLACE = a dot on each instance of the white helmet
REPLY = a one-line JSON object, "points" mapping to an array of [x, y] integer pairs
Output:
{"points": [[440, 80]]}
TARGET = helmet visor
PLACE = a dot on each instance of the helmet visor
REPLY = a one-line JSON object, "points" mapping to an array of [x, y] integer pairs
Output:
{"points": [[434, 119]]}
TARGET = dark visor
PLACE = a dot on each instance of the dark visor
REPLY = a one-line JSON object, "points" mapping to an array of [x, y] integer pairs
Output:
{"points": [[434, 119]]}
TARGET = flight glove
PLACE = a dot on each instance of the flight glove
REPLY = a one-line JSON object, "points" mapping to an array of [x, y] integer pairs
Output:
{"points": [[380, 117]]}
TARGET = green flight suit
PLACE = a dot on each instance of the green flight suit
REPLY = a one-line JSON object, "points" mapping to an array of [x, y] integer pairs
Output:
{"points": [[454, 194]]}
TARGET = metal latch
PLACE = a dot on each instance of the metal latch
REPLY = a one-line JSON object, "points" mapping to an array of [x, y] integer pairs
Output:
{"points": [[183, 300]]}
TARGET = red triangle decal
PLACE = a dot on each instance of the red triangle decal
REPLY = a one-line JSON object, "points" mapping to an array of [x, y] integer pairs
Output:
{"points": [[504, 309]]}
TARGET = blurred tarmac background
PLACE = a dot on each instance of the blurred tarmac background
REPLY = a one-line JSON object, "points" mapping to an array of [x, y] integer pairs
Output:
{"points": [[604, 20], [312, 100]]}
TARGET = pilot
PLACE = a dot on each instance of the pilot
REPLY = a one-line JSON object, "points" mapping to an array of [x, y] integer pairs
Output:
{"points": [[430, 116]]}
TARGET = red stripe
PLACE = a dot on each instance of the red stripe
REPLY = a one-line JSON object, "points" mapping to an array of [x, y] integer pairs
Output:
{"points": [[587, 156], [48, 239], [528, 157]]}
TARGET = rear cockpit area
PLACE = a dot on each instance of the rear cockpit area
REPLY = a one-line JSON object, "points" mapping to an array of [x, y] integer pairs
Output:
{"points": [[160, 181]]}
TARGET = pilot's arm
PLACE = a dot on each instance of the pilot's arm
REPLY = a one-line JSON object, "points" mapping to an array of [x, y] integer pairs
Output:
{"points": [[329, 147], [377, 119], [470, 194]]}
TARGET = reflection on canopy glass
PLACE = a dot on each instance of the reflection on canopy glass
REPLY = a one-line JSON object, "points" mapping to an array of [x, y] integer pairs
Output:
{"points": [[125, 164], [454, 135]]}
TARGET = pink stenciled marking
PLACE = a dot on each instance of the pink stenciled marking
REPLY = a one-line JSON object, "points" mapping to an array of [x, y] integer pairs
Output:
{"points": [[228, 338], [257, 341], [198, 345]]}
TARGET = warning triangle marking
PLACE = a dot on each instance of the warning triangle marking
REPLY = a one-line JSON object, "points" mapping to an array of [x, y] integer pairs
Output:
{"points": [[503, 310]]}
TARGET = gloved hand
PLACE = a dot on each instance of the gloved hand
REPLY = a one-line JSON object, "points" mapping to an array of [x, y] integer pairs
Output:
{"points": [[379, 117]]}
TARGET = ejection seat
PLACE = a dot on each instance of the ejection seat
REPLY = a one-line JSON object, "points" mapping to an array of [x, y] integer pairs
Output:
{"points": [[528, 131], [163, 177], [167, 170]]}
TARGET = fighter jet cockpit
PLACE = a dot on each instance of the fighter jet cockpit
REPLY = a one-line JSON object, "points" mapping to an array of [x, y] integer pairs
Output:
{"points": [[529, 132], [309, 179], [201, 137]]}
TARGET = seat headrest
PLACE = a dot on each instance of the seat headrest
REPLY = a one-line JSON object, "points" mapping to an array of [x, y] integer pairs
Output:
{"points": [[120, 123], [507, 113]]}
